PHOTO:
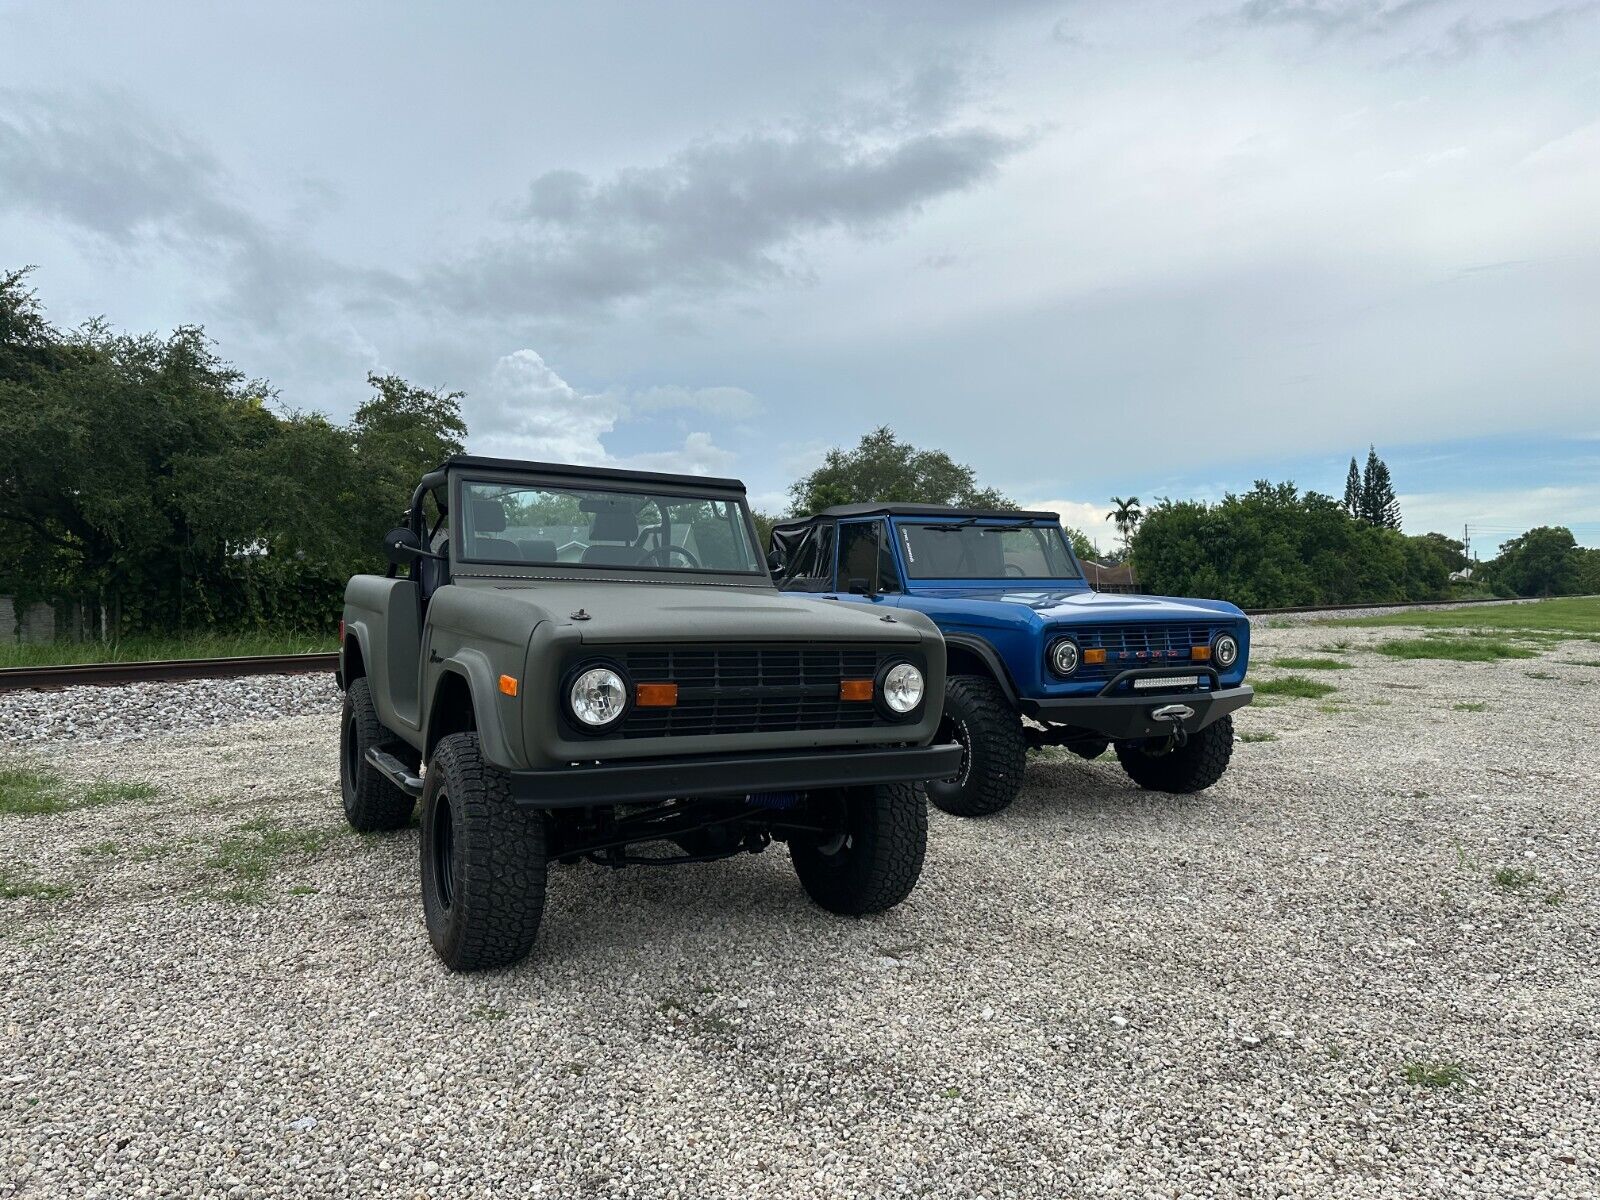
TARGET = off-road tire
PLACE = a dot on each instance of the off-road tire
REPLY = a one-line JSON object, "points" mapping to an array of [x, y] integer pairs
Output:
{"points": [[483, 861], [879, 859], [1192, 767], [977, 714], [371, 802]]}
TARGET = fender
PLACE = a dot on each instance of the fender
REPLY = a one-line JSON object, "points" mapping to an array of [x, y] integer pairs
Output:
{"points": [[496, 716], [991, 659]]}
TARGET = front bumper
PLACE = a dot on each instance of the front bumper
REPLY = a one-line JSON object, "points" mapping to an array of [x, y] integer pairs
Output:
{"points": [[1122, 717], [638, 780]]}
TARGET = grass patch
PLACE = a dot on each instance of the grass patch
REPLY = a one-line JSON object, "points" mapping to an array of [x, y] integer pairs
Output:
{"points": [[26, 792], [1258, 737], [1471, 706], [1294, 663], [1429, 1074], [19, 887], [1462, 649], [1573, 616], [1513, 879], [1297, 686], [1582, 662], [251, 853], [1540, 674], [100, 850], [150, 649]]}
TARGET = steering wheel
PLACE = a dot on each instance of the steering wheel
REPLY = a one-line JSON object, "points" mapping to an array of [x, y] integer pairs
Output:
{"points": [[1013, 569], [665, 553]]}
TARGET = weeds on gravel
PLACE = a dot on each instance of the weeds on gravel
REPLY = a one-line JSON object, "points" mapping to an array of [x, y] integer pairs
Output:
{"points": [[1569, 615], [1342, 646], [250, 854], [1463, 649], [1297, 686], [1298, 663], [1430, 1074], [1513, 879], [1258, 737], [14, 886], [1540, 674], [1471, 706], [100, 850], [26, 792]]}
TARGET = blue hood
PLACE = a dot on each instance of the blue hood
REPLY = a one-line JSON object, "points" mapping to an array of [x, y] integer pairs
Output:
{"points": [[1080, 604]]}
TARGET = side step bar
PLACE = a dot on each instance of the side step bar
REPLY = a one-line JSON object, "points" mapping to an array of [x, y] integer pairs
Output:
{"points": [[395, 771]]}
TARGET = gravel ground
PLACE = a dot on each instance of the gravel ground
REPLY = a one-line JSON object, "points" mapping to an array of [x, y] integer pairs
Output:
{"points": [[1100, 992]]}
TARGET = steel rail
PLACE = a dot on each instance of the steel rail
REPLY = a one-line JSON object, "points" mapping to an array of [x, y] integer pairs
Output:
{"points": [[14, 679]]}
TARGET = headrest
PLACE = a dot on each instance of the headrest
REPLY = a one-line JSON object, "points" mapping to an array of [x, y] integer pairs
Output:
{"points": [[539, 550], [614, 525], [488, 516]]}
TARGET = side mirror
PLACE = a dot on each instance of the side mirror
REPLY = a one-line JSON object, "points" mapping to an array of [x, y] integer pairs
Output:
{"points": [[402, 545]]}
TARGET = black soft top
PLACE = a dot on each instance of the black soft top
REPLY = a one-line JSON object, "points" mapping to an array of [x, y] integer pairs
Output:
{"points": [[881, 509], [574, 471]]}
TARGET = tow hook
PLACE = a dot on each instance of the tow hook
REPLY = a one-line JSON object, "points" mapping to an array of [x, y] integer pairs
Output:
{"points": [[1177, 714]]}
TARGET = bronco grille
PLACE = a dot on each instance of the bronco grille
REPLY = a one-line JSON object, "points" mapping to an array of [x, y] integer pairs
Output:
{"points": [[1139, 644], [754, 689]]}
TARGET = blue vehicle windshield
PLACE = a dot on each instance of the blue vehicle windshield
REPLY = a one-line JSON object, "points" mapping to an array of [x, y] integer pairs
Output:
{"points": [[968, 550]]}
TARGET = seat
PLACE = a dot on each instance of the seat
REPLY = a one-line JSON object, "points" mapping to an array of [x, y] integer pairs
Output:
{"points": [[538, 550], [488, 519], [434, 573]]}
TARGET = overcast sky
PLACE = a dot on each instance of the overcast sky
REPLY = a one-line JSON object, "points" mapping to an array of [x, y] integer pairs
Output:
{"points": [[1089, 248]]}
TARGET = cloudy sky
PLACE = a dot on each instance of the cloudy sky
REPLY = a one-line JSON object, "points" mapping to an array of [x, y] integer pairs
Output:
{"points": [[1089, 248]]}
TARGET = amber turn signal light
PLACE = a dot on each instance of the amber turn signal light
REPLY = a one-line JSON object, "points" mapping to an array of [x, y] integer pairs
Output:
{"points": [[655, 695], [855, 689], [1091, 657], [1201, 653], [508, 685]]}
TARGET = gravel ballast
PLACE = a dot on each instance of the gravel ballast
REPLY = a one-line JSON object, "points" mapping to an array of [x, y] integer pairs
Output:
{"points": [[1364, 964]]}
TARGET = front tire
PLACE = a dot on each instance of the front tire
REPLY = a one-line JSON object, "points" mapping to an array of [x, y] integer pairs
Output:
{"points": [[876, 861], [371, 803], [1155, 764], [483, 861], [994, 752]]}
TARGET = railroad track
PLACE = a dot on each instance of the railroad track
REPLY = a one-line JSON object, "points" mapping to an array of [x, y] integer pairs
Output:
{"points": [[14, 679]]}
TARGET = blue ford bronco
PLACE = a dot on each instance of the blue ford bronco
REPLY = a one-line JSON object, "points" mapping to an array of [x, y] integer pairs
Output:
{"points": [[1035, 656]]}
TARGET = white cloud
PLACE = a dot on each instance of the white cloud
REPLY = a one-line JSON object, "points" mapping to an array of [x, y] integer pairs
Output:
{"points": [[731, 402], [1081, 515]]}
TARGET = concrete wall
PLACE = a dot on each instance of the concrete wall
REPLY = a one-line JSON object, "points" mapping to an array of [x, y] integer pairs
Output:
{"points": [[38, 622]]}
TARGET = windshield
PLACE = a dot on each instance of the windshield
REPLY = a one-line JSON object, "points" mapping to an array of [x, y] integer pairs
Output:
{"points": [[513, 523], [967, 550]]}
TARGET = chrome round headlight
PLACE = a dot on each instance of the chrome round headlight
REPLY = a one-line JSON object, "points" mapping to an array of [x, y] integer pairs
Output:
{"points": [[1064, 657], [597, 697], [1225, 651], [902, 688]]}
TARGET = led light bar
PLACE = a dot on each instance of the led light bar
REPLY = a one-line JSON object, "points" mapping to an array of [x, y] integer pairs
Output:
{"points": [[1168, 681]]}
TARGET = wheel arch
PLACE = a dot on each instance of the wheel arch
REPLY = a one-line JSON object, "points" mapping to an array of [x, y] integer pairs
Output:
{"points": [[967, 655], [352, 656], [452, 709]]}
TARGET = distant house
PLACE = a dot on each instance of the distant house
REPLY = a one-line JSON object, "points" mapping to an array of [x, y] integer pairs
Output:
{"points": [[1461, 576], [1111, 577]]}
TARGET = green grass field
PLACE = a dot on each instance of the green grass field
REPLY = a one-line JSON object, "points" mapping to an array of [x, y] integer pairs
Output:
{"points": [[149, 649], [1574, 617]]}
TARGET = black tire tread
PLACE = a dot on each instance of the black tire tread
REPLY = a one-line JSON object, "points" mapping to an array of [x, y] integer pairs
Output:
{"points": [[371, 803], [1189, 768], [501, 865], [888, 825], [996, 746]]}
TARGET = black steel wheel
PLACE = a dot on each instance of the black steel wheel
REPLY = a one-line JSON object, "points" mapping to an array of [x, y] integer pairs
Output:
{"points": [[483, 861], [1161, 765], [371, 802], [994, 751]]}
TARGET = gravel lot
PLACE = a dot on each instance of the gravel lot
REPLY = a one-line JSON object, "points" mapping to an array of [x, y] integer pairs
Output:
{"points": [[1101, 992]]}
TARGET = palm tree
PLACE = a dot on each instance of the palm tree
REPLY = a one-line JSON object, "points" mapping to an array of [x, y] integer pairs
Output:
{"points": [[1126, 515]]}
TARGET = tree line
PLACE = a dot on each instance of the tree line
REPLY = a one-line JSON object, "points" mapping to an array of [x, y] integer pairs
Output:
{"points": [[147, 486]]}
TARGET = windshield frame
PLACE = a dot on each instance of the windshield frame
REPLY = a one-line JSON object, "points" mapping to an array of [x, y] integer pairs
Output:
{"points": [[487, 568], [1014, 582]]}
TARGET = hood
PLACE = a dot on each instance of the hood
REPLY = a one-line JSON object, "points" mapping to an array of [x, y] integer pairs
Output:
{"points": [[1074, 604], [642, 612]]}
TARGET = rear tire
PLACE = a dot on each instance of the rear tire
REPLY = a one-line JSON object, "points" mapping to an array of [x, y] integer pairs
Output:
{"points": [[977, 714], [876, 862], [1192, 767], [371, 802], [483, 861]]}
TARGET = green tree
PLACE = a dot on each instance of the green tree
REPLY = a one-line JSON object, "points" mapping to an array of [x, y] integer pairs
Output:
{"points": [[1126, 515], [1542, 562], [882, 467], [1379, 505], [1352, 490], [1081, 544]]}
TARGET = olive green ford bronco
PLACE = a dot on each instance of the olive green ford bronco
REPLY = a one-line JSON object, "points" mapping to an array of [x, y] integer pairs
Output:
{"points": [[570, 664]]}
